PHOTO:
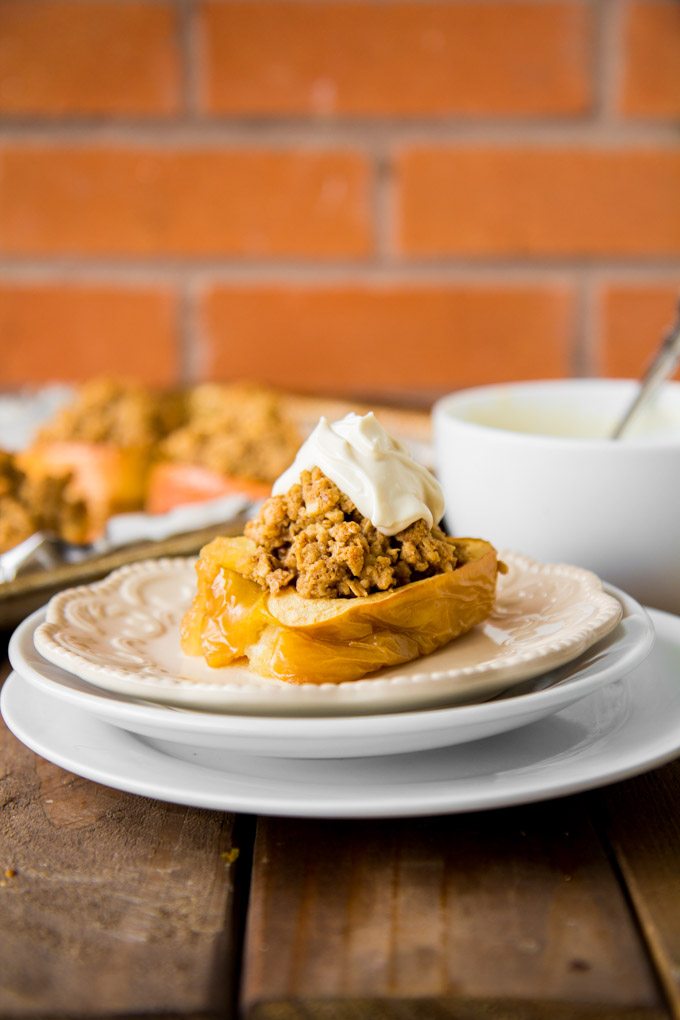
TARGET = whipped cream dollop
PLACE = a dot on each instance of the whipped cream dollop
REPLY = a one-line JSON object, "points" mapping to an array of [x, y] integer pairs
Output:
{"points": [[377, 473]]}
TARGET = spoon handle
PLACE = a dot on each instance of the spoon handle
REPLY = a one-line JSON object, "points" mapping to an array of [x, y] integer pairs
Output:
{"points": [[662, 366]]}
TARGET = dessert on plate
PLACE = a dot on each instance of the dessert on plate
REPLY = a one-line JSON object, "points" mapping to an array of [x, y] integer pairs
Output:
{"points": [[344, 570], [105, 440], [44, 503], [237, 439]]}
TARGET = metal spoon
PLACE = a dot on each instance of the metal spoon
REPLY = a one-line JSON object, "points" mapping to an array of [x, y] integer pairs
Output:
{"points": [[663, 364]]}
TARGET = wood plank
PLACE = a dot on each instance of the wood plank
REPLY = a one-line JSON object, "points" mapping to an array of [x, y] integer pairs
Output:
{"points": [[642, 819], [110, 903], [511, 913]]}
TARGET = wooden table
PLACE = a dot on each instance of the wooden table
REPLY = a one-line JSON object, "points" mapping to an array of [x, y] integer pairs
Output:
{"points": [[114, 905]]}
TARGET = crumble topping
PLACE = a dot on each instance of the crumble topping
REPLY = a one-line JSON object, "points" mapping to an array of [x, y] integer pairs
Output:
{"points": [[29, 504], [111, 411], [239, 430], [314, 538]]}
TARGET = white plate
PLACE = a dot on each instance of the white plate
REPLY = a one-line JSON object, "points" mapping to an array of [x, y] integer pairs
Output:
{"points": [[622, 729], [122, 634], [348, 736]]}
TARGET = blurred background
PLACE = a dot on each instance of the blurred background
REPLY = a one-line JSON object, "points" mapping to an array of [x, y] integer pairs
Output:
{"points": [[386, 197]]}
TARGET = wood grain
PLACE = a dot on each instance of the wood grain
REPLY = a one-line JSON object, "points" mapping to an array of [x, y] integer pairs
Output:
{"points": [[506, 914], [642, 819], [109, 903]]}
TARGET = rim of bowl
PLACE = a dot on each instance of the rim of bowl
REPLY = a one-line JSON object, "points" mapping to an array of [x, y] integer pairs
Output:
{"points": [[477, 395]]}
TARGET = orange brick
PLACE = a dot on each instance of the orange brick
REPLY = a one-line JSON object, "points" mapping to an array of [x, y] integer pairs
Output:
{"points": [[183, 202], [633, 320], [651, 81], [392, 339], [68, 57], [397, 58], [539, 201], [66, 332]]}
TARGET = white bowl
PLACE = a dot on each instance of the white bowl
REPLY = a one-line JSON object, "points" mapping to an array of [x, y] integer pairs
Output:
{"points": [[529, 466]]}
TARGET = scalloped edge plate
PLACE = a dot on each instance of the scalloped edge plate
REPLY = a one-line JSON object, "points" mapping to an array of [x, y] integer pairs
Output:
{"points": [[122, 634], [349, 736]]}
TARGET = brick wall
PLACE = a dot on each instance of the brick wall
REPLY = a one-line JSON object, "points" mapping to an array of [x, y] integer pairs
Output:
{"points": [[368, 196]]}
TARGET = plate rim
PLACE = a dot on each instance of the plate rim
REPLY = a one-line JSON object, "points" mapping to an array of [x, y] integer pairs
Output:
{"points": [[554, 652], [176, 719]]}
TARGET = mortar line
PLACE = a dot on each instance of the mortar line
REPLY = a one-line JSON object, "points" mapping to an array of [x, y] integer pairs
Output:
{"points": [[598, 55], [184, 338], [139, 272], [368, 135], [611, 60], [186, 13], [384, 208], [197, 364], [586, 360]]}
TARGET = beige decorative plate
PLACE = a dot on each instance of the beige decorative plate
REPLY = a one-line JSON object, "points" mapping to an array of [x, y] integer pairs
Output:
{"points": [[122, 634]]}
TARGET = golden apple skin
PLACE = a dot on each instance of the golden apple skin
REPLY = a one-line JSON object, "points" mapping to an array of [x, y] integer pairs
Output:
{"points": [[331, 640], [173, 483], [110, 479]]}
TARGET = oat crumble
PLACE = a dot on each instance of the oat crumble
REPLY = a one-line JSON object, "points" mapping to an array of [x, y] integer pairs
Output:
{"points": [[30, 504], [239, 430], [111, 411], [314, 539]]}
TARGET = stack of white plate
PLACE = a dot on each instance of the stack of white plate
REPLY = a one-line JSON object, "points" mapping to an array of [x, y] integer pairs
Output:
{"points": [[559, 691]]}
